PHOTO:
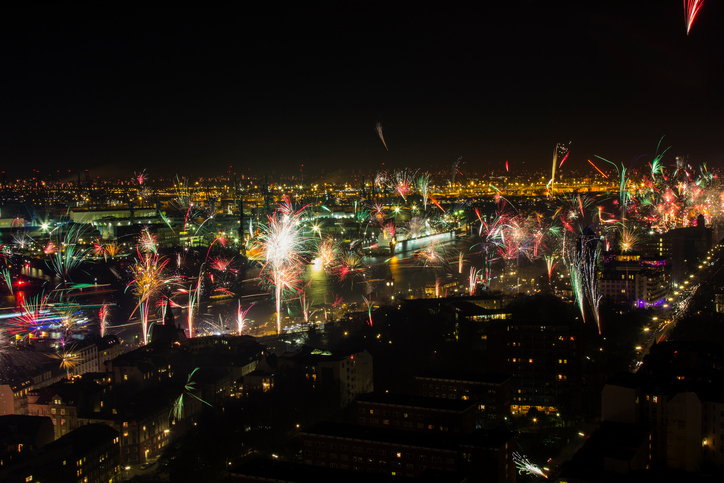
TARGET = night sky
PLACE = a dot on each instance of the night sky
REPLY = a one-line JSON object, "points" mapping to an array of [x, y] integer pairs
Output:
{"points": [[269, 86]]}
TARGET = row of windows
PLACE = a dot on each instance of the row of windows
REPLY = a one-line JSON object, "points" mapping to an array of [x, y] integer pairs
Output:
{"points": [[407, 424], [361, 459], [369, 470], [444, 387]]}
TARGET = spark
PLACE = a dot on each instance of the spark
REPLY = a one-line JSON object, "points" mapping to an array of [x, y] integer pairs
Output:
{"points": [[282, 249], [597, 169], [30, 321], [222, 264], [69, 359], [240, 316], [188, 390], [378, 128], [103, 314], [148, 281], [147, 242], [369, 304], [8, 279], [526, 467], [473, 280], [423, 185], [691, 9], [306, 304]]}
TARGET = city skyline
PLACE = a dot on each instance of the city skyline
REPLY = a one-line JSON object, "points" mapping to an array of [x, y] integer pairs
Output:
{"points": [[207, 91]]}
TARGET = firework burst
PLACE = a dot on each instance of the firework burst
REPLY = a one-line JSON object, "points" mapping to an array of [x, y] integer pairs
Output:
{"points": [[148, 281], [526, 467], [282, 249], [31, 319], [68, 359]]}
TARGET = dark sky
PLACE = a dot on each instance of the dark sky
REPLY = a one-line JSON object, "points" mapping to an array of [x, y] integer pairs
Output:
{"points": [[191, 89]]}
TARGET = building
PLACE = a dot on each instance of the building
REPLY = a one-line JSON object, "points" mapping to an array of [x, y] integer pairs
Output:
{"points": [[89, 454], [677, 395], [143, 422], [491, 392], [351, 370], [634, 279], [484, 456], [260, 470], [14, 396], [20, 438], [544, 359], [58, 403], [682, 247], [416, 413], [615, 451]]}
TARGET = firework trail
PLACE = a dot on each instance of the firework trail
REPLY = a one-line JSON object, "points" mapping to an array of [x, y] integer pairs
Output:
{"points": [[65, 260], [111, 249], [140, 177], [327, 250], [434, 202], [389, 229], [103, 315], [336, 303], [623, 193], [8, 279], [71, 320], [378, 211], [194, 300], [147, 242], [560, 151], [381, 180], [403, 183], [223, 265], [282, 247], [148, 281], [30, 322], [222, 327], [423, 185], [526, 467], [240, 316], [22, 240], [416, 227], [188, 391], [629, 238], [369, 304], [221, 239], [582, 261], [454, 171], [473, 279], [306, 306], [460, 261], [691, 9], [350, 264], [434, 254], [550, 265], [378, 128], [597, 169]]}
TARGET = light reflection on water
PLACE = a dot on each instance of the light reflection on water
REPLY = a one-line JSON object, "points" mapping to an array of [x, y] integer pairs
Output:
{"points": [[322, 288]]}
